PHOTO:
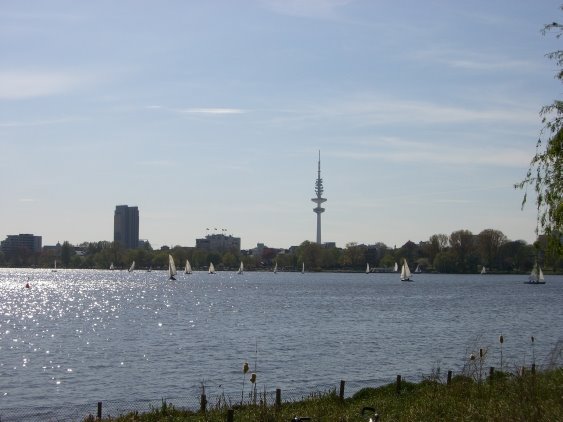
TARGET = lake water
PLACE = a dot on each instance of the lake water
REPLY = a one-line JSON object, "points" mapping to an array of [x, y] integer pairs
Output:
{"points": [[81, 336]]}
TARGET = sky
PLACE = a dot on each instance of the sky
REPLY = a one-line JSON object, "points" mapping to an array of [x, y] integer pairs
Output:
{"points": [[211, 115]]}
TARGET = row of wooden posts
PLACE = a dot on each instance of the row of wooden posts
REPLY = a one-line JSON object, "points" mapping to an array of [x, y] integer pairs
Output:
{"points": [[230, 412]]}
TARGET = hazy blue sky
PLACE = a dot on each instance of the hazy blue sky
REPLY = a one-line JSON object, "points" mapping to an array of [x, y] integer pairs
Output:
{"points": [[210, 114]]}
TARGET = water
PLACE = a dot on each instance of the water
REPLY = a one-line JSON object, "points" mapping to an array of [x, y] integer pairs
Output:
{"points": [[81, 336]]}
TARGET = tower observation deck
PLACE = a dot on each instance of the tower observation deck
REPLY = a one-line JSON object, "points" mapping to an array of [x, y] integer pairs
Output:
{"points": [[319, 200]]}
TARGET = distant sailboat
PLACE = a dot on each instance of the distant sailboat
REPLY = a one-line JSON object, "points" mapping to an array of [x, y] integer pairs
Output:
{"points": [[536, 276], [396, 268], [483, 270], [188, 269], [276, 268], [111, 267], [405, 271], [55, 267], [149, 270], [417, 270], [211, 268], [367, 268], [303, 269], [132, 267], [241, 268], [171, 268]]}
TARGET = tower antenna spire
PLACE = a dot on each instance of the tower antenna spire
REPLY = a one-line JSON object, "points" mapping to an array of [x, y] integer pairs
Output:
{"points": [[319, 200]]}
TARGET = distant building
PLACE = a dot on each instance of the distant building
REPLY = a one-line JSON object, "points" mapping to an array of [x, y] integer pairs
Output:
{"points": [[126, 226], [19, 242], [218, 243]]}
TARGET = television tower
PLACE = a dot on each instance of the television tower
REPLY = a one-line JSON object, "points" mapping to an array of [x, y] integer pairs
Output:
{"points": [[319, 200]]}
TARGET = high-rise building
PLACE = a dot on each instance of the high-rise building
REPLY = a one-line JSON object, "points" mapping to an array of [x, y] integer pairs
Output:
{"points": [[319, 200], [18, 242], [126, 226]]}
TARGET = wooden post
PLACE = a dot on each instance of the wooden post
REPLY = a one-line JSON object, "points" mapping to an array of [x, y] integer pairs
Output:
{"points": [[491, 373], [342, 383], [99, 410], [203, 403], [278, 397], [449, 377], [230, 415], [398, 384]]}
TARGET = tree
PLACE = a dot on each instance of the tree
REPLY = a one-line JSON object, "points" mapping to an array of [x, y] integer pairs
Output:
{"points": [[545, 170], [66, 253], [489, 242], [462, 245]]}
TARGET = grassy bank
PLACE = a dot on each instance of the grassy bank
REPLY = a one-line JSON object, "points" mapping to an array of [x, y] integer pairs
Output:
{"points": [[507, 397]]}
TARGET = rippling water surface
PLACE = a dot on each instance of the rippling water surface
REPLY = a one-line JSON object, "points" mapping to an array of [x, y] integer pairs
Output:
{"points": [[79, 336]]}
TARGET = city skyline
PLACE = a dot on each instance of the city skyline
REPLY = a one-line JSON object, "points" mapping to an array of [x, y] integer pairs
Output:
{"points": [[212, 114]]}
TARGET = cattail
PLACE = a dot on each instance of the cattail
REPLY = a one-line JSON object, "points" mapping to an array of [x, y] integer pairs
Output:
{"points": [[253, 378], [481, 353], [245, 368]]}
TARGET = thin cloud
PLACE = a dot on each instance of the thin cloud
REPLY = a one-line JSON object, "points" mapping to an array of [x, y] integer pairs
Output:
{"points": [[309, 8], [33, 123], [21, 84], [401, 151], [212, 110]]}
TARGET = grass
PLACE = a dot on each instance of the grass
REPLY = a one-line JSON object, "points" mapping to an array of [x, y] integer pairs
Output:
{"points": [[507, 397]]}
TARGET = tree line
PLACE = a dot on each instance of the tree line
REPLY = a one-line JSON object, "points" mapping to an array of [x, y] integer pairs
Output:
{"points": [[459, 252]]}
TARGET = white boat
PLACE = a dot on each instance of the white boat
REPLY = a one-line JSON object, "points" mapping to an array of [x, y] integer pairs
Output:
{"points": [[483, 270], [303, 269], [171, 268], [132, 267], [241, 268], [276, 268], [188, 268], [418, 270], [211, 268], [396, 268], [367, 268], [405, 271], [149, 270], [55, 267], [536, 276], [111, 267]]}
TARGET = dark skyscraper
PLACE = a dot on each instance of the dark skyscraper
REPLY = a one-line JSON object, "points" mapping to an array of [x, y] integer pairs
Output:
{"points": [[126, 226]]}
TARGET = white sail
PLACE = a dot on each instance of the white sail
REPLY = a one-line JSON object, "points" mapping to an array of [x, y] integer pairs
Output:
{"points": [[171, 268], [188, 269], [396, 268], [55, 267], [367, 268], [303, 269], [405, 271], [536, 276], [111, 267], [418, 270], [211, 268], [241, 268], [132, 267], [483, 270], [540, 275]]}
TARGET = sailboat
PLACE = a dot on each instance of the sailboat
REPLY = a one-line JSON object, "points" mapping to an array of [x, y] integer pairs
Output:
{"points": [[132, 267], [483, 270], [276, 268], [367, 268], [171, 268], [536, 276], [396, 268], [241, 268], [417, 270], [405, 272], [211, 268], [111, 267], [55, 267], [188, 269], [303, 269]]}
